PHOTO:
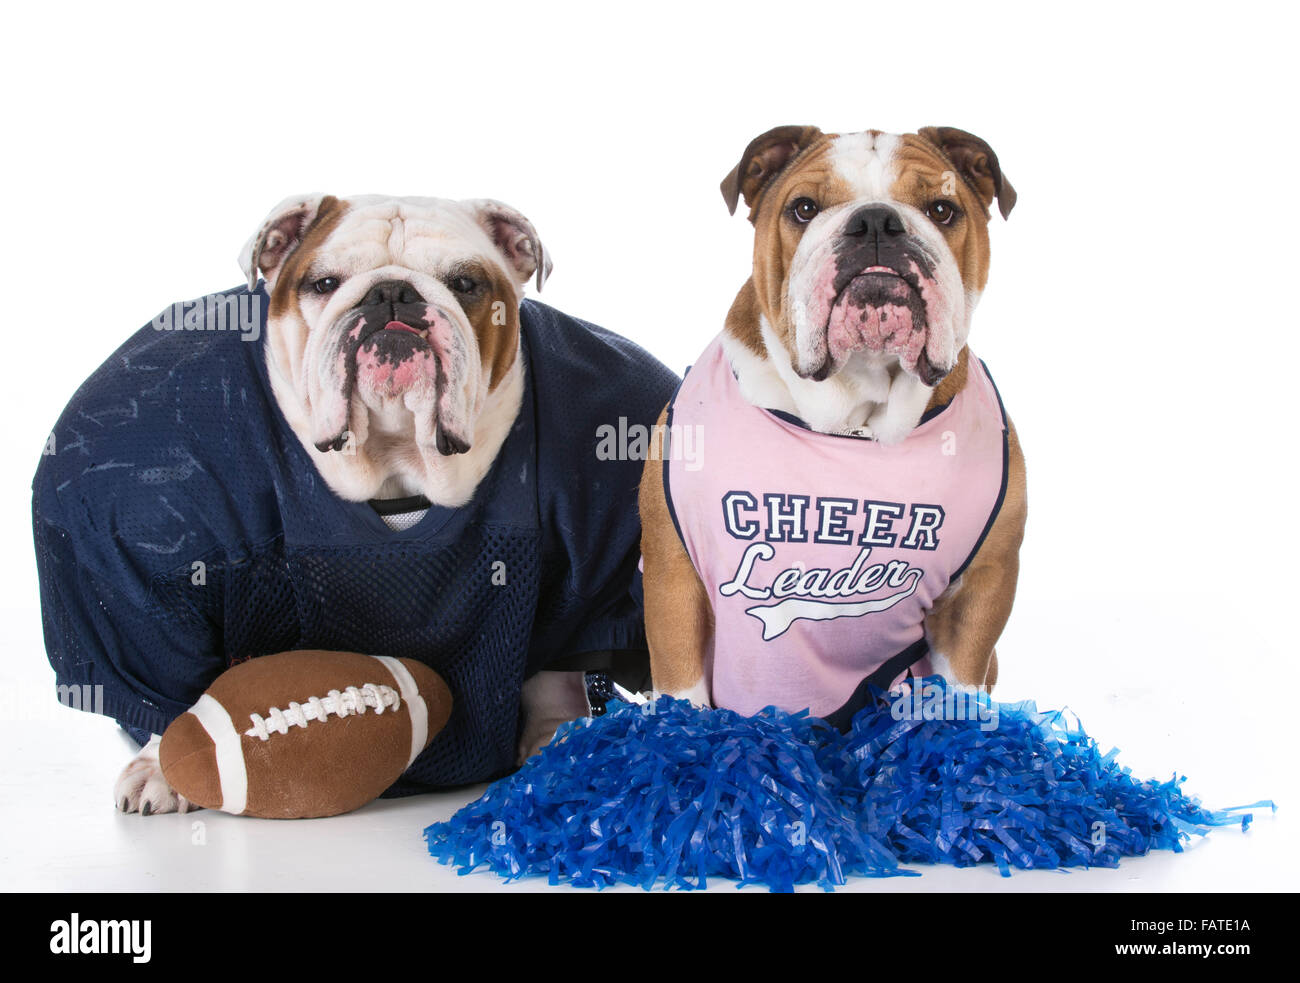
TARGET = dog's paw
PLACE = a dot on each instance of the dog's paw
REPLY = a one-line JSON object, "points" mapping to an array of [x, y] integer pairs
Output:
{"points": [[536, 736], [141, 787], [548, 699], [698, 695]]}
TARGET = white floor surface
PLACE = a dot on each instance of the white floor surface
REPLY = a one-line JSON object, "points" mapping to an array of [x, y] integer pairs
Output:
{"points": [[60, 832]]}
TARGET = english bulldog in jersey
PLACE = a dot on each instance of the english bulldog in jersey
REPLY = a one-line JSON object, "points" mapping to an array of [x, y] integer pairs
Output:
{"points": [[459, 521], [856, 503]]}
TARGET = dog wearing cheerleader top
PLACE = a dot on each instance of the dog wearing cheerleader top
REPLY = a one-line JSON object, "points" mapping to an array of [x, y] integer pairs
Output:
{"points": [[858, 515]]}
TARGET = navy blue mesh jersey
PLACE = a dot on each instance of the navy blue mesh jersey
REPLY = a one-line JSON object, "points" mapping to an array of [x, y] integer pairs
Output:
{"points": [[181, 528]]}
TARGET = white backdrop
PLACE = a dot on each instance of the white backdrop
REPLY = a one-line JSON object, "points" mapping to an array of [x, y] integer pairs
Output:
{"points": [[1140, 318]]}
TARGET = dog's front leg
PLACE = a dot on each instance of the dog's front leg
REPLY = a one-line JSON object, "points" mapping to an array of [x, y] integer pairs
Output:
{"points": [[678, 616], [968, 617], [142, 788]]}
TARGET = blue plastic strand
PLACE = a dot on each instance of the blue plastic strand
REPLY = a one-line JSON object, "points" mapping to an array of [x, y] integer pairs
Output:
{"points": [[669, 795]]}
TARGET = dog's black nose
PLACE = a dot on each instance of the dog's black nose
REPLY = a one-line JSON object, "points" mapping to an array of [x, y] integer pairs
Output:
{"points": [[392, 292], [875, 221]]}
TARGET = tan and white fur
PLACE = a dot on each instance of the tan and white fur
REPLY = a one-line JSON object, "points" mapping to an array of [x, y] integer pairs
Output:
{"points": [[804, 188], [433, 431]]}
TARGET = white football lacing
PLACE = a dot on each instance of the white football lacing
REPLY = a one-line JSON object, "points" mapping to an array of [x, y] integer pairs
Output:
{"points": [[352, 700]]}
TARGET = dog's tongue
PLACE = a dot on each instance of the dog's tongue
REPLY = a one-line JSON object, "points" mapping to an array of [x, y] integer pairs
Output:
{"points": [[400, 326]]}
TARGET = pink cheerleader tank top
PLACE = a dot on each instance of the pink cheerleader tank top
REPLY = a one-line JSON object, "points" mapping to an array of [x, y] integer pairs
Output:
{"points": [[822, 554]]}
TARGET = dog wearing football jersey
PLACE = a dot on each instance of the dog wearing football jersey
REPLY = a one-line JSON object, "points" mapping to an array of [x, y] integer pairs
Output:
{"points": [[395, 454], [855, 501]]}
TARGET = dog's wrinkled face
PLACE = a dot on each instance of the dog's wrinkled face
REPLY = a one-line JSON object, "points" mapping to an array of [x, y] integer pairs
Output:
{"points": [[871, 248], [392, 319]]}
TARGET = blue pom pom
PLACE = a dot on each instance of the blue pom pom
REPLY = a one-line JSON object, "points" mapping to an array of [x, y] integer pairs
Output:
{"points": [[669, 795], [1008, 784]]}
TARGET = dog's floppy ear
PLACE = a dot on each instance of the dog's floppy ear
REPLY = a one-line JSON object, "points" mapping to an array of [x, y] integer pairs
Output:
{"points": [[280, 235], [976, 162], [764, 158], [514, 236]]}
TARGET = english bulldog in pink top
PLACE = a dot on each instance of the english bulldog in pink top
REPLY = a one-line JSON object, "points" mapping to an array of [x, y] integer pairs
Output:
{"points": [[838, 497]]}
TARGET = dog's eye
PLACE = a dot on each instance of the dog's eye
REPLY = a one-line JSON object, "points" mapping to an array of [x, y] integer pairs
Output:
{"points": [[804, 210], [463, 284], [326, 285], [943, 212]]}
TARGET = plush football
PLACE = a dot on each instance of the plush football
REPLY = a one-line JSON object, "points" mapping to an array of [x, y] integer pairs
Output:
{"points": [[304, 734]]}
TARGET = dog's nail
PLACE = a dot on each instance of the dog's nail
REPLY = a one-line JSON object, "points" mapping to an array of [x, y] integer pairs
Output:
{"points": [[145, 809], [122, 805]]}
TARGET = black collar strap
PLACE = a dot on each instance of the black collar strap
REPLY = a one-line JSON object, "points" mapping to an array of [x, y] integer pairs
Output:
{"points": [[400, 506]]}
